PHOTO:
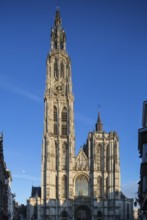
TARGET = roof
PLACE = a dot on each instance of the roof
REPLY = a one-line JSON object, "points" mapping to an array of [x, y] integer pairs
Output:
{"points": [[36, 191]]}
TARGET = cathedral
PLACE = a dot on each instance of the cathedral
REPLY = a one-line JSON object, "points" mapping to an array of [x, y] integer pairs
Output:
{"points": [[85, 186]]}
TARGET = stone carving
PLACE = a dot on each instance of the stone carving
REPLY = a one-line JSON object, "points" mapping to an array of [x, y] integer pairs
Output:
{"points": [[81, 161], [59, 88]]}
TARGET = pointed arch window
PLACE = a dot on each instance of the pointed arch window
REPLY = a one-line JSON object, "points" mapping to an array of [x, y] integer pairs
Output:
{"points": [[99, 186], [55, 114], [64, 129], [62, 70], [56, 150], [107, 158], [81, 186], [56, 69], [107, 187], [99, 157], [55, 120], [64, 156], [64, 121], [64, 115], [64, 186]]}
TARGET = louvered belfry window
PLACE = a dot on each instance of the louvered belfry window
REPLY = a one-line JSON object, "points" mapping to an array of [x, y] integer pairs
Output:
{"points": [[64, 121], [55, 120]]}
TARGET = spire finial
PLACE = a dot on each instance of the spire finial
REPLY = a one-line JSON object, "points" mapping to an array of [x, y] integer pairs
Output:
{"points": [[58, 36], [99, 125], [57, 8], [57, 18], [99, 117]]}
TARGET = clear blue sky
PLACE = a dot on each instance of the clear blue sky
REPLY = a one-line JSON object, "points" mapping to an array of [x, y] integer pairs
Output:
{"points": [[107, 43]]}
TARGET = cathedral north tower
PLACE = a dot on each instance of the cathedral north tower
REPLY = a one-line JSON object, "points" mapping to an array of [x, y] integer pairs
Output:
{"points": [[58, 138]]}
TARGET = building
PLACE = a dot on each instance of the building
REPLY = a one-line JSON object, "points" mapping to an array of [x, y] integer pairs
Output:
{"points": [[10, 196], [6, 197], [136, 217], [33, 203], [20, 211], [86, 186], [142, 147]]}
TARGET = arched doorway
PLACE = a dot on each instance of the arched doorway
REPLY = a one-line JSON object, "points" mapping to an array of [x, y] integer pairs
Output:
{"points": [[82, 213], [99, 215], [64, 215]]}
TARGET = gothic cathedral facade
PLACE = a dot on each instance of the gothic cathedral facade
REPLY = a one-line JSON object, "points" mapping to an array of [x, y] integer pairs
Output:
{"points": [[82, 187]]}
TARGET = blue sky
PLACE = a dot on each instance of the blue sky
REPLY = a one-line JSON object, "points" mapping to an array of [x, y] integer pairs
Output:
{"points": [[107, 44]]}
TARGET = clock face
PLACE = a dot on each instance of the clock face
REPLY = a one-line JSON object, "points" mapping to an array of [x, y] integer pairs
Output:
{"points": [[59, 88]]}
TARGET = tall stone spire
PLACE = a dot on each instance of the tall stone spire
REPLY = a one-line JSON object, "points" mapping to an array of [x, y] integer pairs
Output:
{"points": [[58, 37], [58, 145], [57, 19], [99, 125]]}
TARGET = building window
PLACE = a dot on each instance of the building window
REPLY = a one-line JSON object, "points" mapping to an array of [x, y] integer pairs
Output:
{"points": [[64, 186], [64, 115], [56, 161], [64, 121], [107, 187], [64, 156], [99, 186], [107, 158], [81, 186], [64, 129], [62, 70], [55, 114], [56, 69], [128, 216], [82, 214], [98, 157], [55, 120]]}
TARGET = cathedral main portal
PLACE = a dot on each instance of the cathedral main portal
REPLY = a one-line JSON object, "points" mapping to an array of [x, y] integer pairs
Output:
{"points": [[82, 213]]}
